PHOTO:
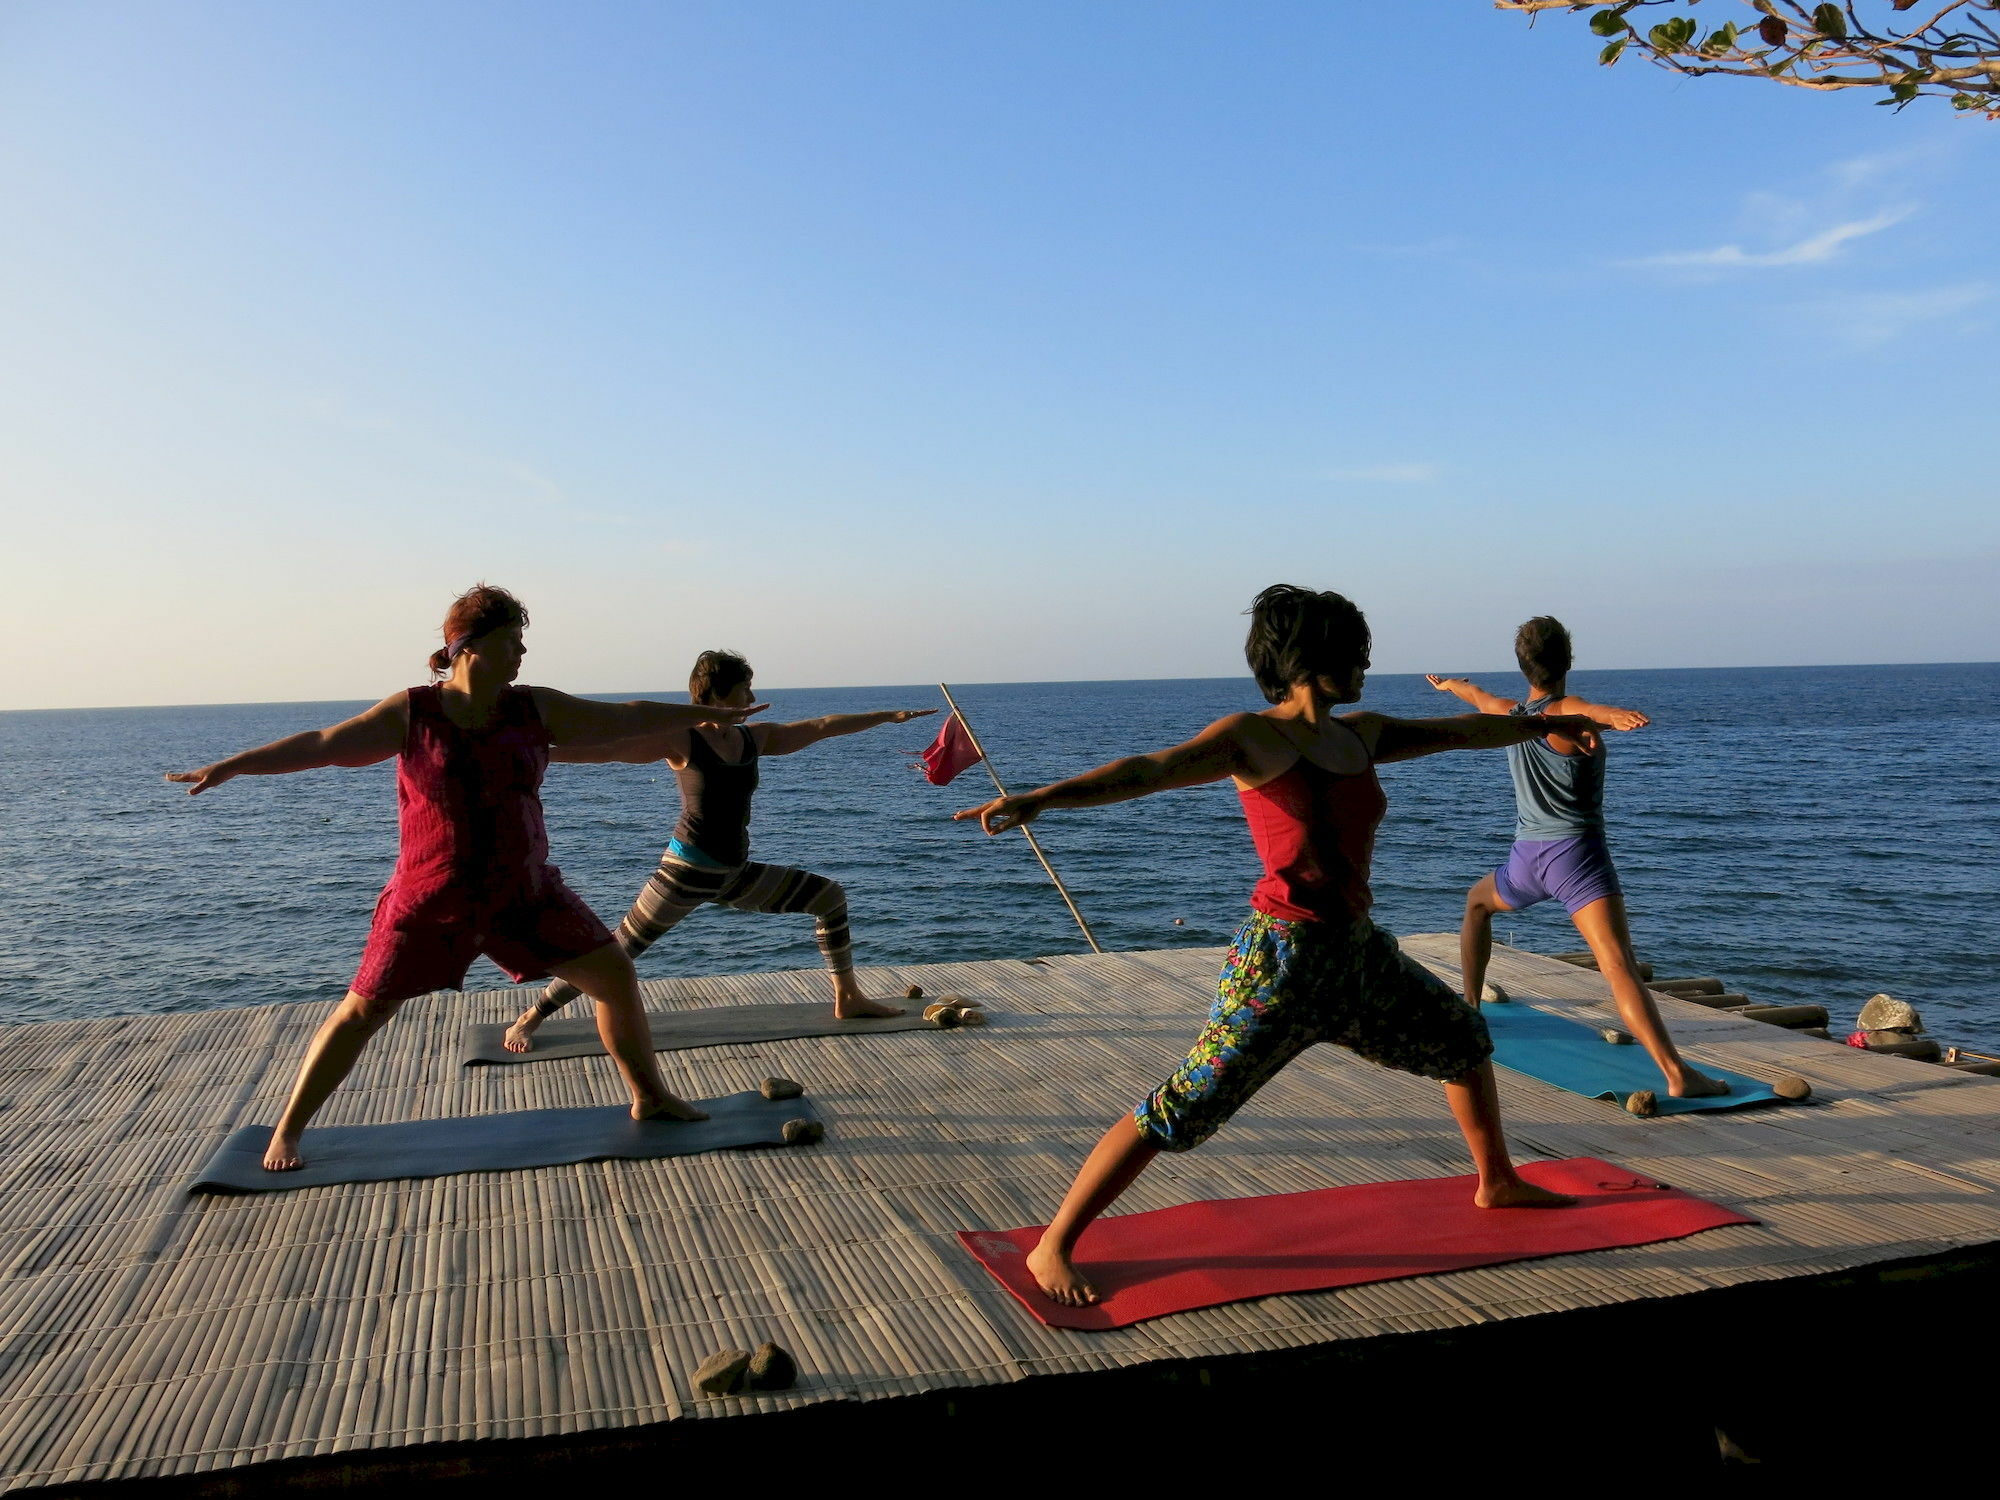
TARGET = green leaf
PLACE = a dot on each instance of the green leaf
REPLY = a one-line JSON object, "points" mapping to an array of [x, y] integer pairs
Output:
{"points": [[1612, 53], [1665, 37], [1608, 23], [1829, 21]]}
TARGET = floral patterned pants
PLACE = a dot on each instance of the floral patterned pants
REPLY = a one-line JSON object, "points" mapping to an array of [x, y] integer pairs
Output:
{"points": [[1286, 985]]}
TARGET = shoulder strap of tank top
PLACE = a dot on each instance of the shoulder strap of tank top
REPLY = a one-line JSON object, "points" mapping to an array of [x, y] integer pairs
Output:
{"points": [[1365, 749], [523, 709], [425, 701], [750, 751]]}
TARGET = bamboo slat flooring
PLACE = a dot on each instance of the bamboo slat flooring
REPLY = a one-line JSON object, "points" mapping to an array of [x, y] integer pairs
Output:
{"points": [[144, 1332]]}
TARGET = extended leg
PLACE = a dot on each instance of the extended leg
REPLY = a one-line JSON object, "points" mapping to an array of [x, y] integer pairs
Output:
{"points": [[674, 890], [329, 1057], [780, 888], [1475, 936], [1604, 928], [1475, 1104], [606, 976], [1113, 1165], [1257, 1024]]}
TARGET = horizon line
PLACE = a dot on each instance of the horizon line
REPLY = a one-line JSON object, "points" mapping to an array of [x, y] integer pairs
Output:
{"points": [[1025, 682]]}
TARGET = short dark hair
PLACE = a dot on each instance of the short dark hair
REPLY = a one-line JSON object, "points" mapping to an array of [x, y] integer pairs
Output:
{"points": [[1297, 634], [1542, 647], [716, 675]]}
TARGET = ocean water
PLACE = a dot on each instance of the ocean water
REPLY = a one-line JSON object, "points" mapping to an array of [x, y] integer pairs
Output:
{"points": [[1807, 834]]}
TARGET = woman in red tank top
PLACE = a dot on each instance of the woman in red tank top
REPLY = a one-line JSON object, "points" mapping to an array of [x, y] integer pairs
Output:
{"points": [[1308, 966], [472, 873]]}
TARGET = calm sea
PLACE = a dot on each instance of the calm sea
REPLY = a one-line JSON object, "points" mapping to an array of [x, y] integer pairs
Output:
{"points": [[1808, 834]]}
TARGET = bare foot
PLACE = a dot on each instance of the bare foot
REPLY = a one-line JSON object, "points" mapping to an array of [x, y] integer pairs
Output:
{"points": [[1697, 1085], [520, 1036], [855, 1006], [1518, 1192], [668, 1107], [282, 1155], [1059, 1280]]}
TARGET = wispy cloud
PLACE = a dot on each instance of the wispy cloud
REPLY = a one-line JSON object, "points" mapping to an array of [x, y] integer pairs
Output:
{"points": [[1811, 250], [1386, 474], [1873, 319]]}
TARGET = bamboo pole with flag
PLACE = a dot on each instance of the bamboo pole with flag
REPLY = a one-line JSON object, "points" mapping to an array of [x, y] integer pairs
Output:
{"points": [[956, 748]]}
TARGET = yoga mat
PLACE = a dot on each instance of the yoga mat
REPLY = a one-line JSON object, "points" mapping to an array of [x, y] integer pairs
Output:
{"points": [[1204, 1254], [680, 1030], [1573, 1056], [495, 1143]]}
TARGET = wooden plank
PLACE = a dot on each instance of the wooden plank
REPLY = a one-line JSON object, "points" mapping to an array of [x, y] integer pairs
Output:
{"points": [[145, 1333]]}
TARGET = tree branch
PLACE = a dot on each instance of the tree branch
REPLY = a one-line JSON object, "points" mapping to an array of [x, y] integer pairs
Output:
{"points": [[1804, 45]]}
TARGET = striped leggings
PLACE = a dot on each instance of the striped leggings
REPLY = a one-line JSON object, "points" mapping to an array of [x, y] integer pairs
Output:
{"points": [[677, 888]]}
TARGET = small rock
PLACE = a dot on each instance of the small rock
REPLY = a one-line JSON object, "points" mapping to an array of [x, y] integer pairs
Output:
{"points": [[803, 1132], [1886, 1013], [771, 1369], [914, 992], [1793, 1087], [722, 1374], [1491, 994], [780, 1088], [1616, 1037], [1645, 1104]]}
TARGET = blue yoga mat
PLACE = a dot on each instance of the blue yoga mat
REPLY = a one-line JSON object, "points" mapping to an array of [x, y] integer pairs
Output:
{"points": [[496, 1143], [1573, 1056]]}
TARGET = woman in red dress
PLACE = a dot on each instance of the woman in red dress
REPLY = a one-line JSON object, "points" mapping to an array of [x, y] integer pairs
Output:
{"points": [[473, 873]]}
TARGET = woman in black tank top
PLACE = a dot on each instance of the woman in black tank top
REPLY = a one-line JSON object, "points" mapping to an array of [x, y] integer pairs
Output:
{"points": [[715, 797], [707, 861]]}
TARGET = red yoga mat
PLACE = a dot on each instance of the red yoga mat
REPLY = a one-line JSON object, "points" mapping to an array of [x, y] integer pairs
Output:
{"points": [[1232, 1249]]}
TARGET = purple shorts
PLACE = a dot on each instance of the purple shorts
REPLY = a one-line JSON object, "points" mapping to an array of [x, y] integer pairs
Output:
{"points": [[1575, 871]]}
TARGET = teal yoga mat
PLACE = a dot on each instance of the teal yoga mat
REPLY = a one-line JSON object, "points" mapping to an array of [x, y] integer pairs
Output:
{"points": [[1573, 1056]]}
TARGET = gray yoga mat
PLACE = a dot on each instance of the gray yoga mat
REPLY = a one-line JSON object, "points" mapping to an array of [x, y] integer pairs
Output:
{"points": [[495, 1143], [680, 1030]]}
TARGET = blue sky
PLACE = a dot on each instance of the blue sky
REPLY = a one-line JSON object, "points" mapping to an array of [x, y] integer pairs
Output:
{"points": [[890, 342]]}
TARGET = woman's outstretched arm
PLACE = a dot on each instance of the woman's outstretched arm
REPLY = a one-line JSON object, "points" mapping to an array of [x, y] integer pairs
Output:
{"points": [[784, 739], [360, 741], [1605, 713], [579, 723], [1218, 752], [1406, 739], [1471, 692]]}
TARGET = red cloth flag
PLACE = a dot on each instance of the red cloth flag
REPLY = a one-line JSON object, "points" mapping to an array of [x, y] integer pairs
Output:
{"points": [[951, 752]]}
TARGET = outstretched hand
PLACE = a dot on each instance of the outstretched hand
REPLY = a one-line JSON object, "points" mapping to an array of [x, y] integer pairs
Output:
{"points": [[720, 715], [1624, 719], [1002, 813], [1579, 729], [200, 781], [1439, 681], [904, 715]]}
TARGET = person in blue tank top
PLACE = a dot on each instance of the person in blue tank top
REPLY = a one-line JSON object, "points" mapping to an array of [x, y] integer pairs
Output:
{"points": [[1559, 845]]}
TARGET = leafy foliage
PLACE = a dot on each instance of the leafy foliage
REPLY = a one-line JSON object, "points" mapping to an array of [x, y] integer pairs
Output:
{"points": [[1951, 50]]}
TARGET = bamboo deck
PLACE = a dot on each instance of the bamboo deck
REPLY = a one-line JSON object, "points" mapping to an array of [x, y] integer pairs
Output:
{"points": [[147, 1333]]}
